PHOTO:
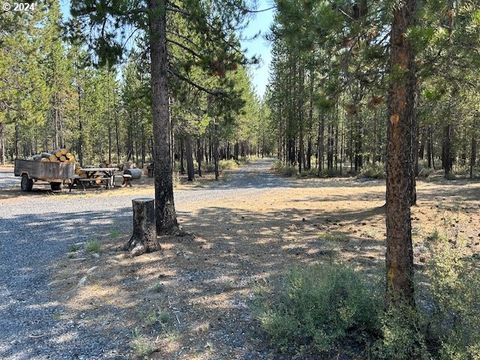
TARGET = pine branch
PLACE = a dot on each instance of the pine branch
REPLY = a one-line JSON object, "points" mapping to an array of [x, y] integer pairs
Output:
{"points": [[194, 84], [186, 48]]}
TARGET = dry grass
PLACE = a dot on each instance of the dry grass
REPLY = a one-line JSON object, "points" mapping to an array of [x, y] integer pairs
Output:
{"points": [[204, 283]]}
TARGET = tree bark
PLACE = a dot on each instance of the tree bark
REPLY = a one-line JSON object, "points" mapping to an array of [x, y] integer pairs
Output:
{"points": [[182, 166], [144, 237], [447, 152], [199, 157], [473, 155], [215, 152], [189, 155], [401, 109], [165, 215], [320, 145], [2, 143]]}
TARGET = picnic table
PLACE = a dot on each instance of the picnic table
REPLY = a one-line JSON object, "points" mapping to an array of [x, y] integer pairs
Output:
{"points": [[94, 174]]}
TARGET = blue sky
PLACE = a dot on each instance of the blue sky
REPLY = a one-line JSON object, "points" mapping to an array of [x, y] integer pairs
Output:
{"points": [[260, 22], [260, 47]]}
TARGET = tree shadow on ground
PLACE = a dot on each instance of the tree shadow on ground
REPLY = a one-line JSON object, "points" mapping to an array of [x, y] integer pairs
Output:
{"points": [[35, 323], [191, 299], [204, 284]]}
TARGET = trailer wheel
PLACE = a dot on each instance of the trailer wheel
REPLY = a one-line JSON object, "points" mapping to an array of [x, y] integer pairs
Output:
{"points": [[56, 186], [27, 183]]}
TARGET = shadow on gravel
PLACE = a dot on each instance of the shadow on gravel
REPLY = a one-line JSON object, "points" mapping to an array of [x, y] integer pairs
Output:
{"points": [[202, 285], [193, 298], [33, 323]]}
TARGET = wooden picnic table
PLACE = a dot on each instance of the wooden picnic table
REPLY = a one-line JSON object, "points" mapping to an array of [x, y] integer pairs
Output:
{"points": [[107, 174]]}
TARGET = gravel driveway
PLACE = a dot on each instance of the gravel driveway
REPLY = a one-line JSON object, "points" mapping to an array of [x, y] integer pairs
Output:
{"points": [[7, 179], [37, 231]]}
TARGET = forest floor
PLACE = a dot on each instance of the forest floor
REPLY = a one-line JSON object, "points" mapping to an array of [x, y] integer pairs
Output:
{"points": [[192, 300]]}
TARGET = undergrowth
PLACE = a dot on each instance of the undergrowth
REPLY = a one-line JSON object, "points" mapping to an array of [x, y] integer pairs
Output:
{"points": [[373, 171], [327, 310]]}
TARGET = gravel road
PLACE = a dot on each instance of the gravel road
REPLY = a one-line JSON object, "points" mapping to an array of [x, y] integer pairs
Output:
{"points": [[37, 231], [7, 179]]}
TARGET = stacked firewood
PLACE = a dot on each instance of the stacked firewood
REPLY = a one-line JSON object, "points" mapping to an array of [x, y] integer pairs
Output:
{"points": [[60, 155]]}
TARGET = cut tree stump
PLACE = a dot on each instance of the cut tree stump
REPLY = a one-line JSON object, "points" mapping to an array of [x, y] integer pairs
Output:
{"points": [[144, 237]]}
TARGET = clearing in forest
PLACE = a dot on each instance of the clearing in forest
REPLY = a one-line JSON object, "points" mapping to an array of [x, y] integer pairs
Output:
{"points": [[192, 300]]}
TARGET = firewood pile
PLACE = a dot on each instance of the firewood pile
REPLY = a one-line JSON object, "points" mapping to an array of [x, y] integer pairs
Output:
{"points": [[60, 155]]}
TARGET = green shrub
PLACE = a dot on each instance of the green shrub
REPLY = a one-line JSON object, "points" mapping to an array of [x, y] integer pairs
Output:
{"points": [[402, 335], [285, 170], [319, 307], [373, 171], [92, 246], [425, 172], [210, 167], [454, 291], [450, 176], [142, 347], [228, 164]]}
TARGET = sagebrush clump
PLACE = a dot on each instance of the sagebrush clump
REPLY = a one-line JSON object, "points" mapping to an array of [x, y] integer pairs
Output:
{"points": [[329, 309], [319, 308]]}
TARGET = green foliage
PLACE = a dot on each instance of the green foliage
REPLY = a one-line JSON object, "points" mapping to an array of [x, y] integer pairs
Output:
{"points": [[141, 345], [285, 170], [333, 236], [319, 307], [454, 278], [73, 248], [93, 246], [373, 171], [228, 164], [402, 336]]}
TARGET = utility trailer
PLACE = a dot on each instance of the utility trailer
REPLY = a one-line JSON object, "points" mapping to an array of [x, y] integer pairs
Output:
{"points": [[54, 173]]}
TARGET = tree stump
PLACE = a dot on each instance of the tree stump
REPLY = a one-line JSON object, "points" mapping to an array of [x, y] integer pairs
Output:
{"points": [[144, 237]]}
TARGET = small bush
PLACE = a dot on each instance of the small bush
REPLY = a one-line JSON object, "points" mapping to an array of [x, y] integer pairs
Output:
{"points": [[141, 345], [454, 279], [228, 164], [114, 233], [285, 170], [92, 246], [210, 167], [425, 172], [319, 307], [373, 171], [332, 236], [73, 248], [402, 335], [450, 176]]}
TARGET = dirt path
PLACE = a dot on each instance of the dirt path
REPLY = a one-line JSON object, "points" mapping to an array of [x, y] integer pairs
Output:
{"points": [[192, 299]]}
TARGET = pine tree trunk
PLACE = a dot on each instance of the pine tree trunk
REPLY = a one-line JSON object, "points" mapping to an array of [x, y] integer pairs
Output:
{"points": [[80, 130], [320, 145], [117, 137], [421, 149], [473, 155], [430, 148], [330, 149], [165, 215], [336, 147], [182, 166], [189, 155], [143, 146], [17, 139], [215, 152], [109, 144], [401, 109], [2, 143], [199, 157], [447, 156]]}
